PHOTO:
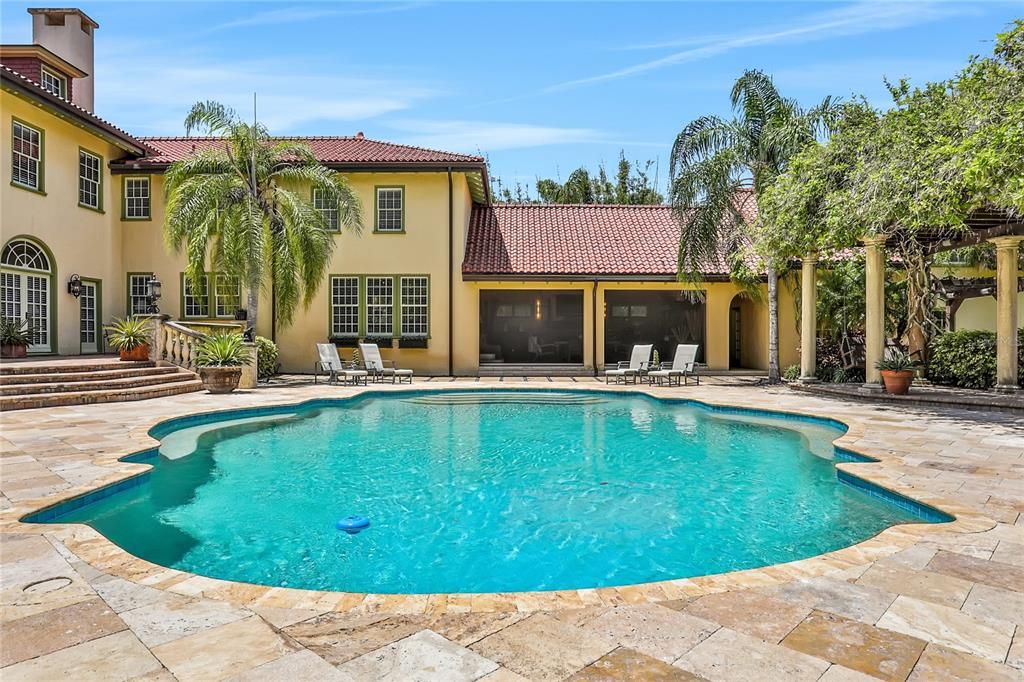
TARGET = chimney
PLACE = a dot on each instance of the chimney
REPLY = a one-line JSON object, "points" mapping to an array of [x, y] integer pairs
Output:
{"points": [[359, 135], [68, 33]]}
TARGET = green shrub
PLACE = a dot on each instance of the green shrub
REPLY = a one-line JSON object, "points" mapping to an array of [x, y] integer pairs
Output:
{"points": [[223, 349], [14, 333], [791, 373], [128, 333], [266, 358], [967, 358]]}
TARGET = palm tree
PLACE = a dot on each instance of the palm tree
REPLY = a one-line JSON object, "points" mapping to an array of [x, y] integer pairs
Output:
{"points": [[714, 160], [245, 208]]}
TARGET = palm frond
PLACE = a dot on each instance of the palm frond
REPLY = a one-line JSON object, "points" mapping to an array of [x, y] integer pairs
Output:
{"points": [[212, 117]]}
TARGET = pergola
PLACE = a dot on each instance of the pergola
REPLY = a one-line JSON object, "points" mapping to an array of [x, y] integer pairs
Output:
{"points": [[997, 227]]}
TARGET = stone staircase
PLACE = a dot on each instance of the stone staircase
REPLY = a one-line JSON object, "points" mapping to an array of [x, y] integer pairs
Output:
{"points": [[87, 380]]}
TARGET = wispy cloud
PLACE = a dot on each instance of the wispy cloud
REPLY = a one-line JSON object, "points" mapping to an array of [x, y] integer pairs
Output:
{"points": [[861, 18], [151, 95], [471, 136], [293, 15]]}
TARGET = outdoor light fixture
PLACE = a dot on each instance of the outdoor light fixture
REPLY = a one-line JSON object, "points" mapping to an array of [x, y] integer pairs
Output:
{"points": [[537, 308], [75, 286], [152, 294]]}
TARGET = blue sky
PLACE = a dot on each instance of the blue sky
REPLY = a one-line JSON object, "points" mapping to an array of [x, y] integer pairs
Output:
{"points": [[539, 88]]}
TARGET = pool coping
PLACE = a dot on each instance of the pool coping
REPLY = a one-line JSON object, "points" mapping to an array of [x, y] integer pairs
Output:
{"points": [[95, 549]]}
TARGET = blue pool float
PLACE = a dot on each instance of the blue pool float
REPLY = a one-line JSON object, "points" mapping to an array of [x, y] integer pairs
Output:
{"points": [[353, 524]]}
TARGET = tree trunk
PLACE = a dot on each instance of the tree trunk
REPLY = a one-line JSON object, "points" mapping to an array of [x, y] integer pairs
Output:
{"points": [[252, 307], [773, 326]]}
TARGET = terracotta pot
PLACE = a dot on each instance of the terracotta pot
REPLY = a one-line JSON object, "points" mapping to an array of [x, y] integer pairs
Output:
{"points": [[13, 351], [137, 354], [220, 379], [897, 382]]}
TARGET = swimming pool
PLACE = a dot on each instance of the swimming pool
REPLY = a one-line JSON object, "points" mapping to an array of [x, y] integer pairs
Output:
{"points": [[487, 492]]}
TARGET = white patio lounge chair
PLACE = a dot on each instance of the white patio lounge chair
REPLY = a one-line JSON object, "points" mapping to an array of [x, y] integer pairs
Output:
{"points": [[336, 369], [682, 366], [380, 370], [639, 359]]}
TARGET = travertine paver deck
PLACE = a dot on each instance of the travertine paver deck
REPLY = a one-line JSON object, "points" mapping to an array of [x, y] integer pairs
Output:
{"points": [[919, 602]]}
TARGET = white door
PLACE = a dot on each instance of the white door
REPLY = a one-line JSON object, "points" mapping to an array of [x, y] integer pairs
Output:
{"points": [[87, 305], [27, 297]]}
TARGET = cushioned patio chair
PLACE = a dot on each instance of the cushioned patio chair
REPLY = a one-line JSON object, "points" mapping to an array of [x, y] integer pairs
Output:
{"points": [[624, 372], [683, 365], [378, 369], [336, 370]]}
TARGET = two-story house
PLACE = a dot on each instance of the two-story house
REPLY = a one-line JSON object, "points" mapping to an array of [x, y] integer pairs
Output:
{"points": [[445, 280]]}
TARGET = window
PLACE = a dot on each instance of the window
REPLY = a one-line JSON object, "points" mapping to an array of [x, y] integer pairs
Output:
{"points": [[328, 209], [54, 83], [195, 301], [26, 156], [89, 179], [414, 306], [138, 293], [390, 211], [136, 198], [227, 296], [379, 306], [345, 306]]}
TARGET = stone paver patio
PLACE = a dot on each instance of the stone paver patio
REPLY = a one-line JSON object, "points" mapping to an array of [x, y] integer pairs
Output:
{"points": [[917, 602]]}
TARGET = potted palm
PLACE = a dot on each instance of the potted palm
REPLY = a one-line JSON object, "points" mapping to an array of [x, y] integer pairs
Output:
{"points": [[220, 357], [130, 336], [897, 372], [14, 338]]}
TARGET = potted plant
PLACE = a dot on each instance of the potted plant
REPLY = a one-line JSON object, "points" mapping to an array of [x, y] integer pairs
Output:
{"points": [[897, 372], [15, 338], [220, 357], [130, 336]]}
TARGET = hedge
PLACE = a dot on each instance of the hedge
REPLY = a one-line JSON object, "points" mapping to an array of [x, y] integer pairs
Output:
{"points": [[967, 358]]}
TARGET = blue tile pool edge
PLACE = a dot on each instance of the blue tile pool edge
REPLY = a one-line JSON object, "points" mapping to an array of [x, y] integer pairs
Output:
{"points": [[54, 511]]}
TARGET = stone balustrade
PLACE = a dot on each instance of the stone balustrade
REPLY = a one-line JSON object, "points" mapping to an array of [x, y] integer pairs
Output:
{"points": [[177, 343]]}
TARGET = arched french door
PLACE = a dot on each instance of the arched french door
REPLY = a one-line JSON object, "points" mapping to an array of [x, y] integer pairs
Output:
{"points": [[26, 290]]}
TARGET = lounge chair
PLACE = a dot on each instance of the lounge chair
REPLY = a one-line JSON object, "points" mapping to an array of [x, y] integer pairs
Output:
{"points": [[377, 368], [336, 370], [681, 367], [639, 359]]}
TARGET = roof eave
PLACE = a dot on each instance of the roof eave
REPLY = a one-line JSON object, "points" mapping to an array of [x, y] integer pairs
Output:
{"points": [[62, 109]]}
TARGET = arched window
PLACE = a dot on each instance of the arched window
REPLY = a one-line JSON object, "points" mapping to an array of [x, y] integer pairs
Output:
{"points": [[26, 285], [21, 253]]}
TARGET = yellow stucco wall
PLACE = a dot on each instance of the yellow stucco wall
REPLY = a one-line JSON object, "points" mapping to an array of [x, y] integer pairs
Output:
{"points": [[82, 241], [980, 313]]}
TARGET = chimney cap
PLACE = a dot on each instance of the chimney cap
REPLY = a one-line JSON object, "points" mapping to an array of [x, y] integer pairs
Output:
{"points": [[360, 136], [61, 11]]}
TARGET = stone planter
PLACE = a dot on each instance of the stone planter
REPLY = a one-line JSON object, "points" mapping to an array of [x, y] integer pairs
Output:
{"points": [[220, 379], [137, 354], [897, 382], [13, 351]]}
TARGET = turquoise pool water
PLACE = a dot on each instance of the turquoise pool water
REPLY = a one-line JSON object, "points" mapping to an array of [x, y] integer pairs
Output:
{"points": [[466, 495]]}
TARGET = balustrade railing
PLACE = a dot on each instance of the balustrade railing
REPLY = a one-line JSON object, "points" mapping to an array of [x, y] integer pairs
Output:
{"points": [[178, 342]]}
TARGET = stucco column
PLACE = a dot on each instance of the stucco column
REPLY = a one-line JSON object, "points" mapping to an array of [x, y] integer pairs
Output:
{"points": [[874, 327], [808, 319], [1007, 249]]}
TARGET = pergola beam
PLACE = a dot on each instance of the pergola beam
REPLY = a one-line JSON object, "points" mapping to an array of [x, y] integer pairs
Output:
{"points": [[972, 238]]}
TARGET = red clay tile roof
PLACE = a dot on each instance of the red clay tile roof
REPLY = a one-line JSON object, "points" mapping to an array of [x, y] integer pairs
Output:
{"points": [[355, 150], [34, 89], [533, 240]]}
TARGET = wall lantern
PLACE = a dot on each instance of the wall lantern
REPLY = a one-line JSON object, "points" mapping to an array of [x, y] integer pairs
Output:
{"points": [[152, 294], [75, 286]]}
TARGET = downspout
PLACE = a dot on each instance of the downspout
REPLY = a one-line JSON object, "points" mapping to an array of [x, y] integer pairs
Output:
{"points": [[593, 332], [451, 275]]}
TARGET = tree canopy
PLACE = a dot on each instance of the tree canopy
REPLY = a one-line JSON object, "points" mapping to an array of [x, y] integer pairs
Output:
{"points": [[941, 151], [633, 184]]}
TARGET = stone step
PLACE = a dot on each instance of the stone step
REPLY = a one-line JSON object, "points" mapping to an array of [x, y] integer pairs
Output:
{"points": [[69, 366], [71, 377], [189, 384], [56, 383]]}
